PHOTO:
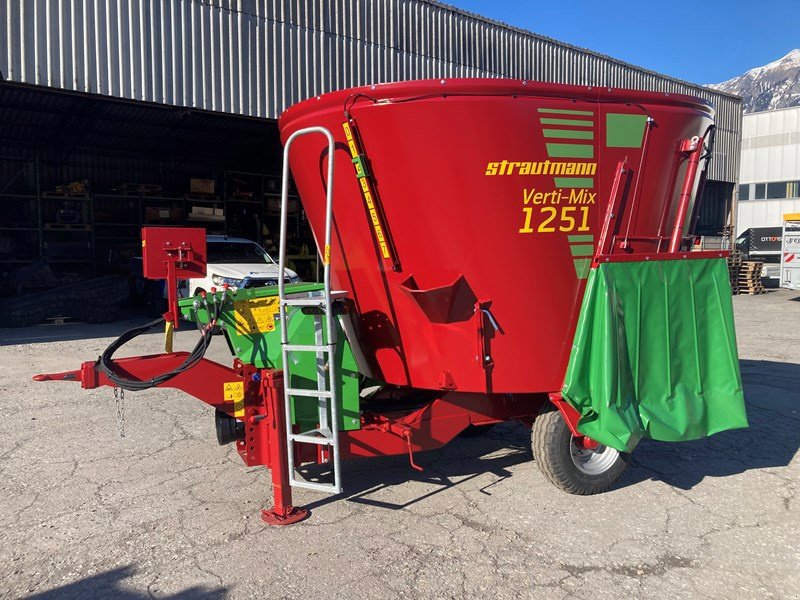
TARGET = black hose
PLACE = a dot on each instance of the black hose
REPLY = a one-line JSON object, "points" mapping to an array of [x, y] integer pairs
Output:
{"points": [[105, 362]]}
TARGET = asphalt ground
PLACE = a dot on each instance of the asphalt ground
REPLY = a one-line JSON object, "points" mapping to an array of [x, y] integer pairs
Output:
{"points": [[167, 513]]}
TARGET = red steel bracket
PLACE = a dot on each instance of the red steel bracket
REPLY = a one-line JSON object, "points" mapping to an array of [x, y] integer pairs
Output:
{"points": [[571, 418]]}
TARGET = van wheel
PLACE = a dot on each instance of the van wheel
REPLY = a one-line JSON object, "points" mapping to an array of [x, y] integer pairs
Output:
{"points": [[568, 463]]}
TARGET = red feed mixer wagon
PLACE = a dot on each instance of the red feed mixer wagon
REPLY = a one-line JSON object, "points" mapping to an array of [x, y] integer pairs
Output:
{"points": [[493, 250]]}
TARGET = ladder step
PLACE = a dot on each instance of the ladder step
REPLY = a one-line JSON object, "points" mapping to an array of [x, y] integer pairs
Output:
{"points": [[310, 393], [306, 348], [319, 302], [304, 438], [328, 488], [311, 300]]}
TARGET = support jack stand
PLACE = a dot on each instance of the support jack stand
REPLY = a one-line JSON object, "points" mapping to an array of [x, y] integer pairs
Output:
{"points": [[287, 516]]}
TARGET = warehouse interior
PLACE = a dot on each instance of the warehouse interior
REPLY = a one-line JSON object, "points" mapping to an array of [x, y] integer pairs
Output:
{"points": [[80, 174]]}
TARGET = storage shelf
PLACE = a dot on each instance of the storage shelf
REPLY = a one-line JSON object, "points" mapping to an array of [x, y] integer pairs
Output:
{"points": [[244, 201], [111, 220], [56, 198]]}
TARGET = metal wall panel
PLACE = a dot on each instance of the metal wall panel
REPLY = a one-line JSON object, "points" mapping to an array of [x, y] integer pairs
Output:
{"points": [[256, 57], [771, 146]]}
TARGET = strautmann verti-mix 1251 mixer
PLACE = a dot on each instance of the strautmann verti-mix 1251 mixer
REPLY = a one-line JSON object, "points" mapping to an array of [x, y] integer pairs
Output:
{"points": [[492, 250]]}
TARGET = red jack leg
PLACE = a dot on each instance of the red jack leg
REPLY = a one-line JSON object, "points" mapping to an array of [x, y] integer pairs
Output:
{"points": [[282, 513]]}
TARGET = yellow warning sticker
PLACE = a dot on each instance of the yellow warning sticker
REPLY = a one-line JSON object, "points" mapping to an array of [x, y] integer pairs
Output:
{"points": [[256, 316], [233, 391], [326, 257]]}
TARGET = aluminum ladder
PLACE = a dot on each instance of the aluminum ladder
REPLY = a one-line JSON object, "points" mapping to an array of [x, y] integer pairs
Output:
{"points": [[325, 336]]}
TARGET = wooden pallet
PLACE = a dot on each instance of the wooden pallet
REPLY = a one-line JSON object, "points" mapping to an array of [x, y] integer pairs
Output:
{"points": [[752, 290], [57, 320], [734, 266], [749, 277]]}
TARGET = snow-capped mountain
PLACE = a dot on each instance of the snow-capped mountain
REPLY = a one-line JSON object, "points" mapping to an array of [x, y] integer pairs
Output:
{"points": [[775, 85]]}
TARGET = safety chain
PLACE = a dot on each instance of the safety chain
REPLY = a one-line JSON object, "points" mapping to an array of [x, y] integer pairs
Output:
{"points": [[119, 401]]}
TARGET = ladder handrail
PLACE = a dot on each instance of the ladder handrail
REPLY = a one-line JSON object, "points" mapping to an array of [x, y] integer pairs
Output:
{"points": [[330, 327], [326, 266]]}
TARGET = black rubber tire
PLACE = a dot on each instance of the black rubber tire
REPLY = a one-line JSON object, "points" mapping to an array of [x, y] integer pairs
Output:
{"points": [[550, 441]]}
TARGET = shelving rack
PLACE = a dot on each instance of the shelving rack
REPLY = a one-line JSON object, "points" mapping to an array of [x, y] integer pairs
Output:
{"points": [[98, 232]]}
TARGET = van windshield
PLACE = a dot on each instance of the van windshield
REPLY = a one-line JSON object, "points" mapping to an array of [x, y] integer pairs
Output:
{"points": [[237, 252]]}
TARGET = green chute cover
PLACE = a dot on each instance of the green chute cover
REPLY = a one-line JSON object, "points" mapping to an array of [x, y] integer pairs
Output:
{"points": [[655, 353]]}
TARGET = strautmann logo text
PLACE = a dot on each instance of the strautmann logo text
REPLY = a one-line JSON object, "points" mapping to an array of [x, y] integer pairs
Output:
{"points": [[547, 167]]}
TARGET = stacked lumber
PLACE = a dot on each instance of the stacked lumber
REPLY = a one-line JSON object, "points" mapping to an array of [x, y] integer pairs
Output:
{"points": [[749, 279], [734, 265]]}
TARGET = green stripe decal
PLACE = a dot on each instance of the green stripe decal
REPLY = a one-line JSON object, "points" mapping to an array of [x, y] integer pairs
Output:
{"points": [[574, 182], [574, 134], [625, 131], [581, 250], [565, 111], [577, 239], [582, 266], [576, 122], [570, 150]]}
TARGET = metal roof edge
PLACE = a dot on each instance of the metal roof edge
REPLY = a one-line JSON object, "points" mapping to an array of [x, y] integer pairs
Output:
{"points": [[770, 110], [530, 33]]}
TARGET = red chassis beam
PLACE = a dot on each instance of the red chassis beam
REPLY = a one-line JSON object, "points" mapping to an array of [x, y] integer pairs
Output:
{"points": [[436, 423], [648, 256], [205, 381], [260, 406]]}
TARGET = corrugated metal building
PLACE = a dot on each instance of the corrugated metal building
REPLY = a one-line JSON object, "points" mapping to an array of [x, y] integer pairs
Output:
{"points": [[157, 91]]}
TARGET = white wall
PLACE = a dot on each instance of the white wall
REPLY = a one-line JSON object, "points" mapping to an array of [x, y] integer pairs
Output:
{"points": [[763, 213], [770, 152]]}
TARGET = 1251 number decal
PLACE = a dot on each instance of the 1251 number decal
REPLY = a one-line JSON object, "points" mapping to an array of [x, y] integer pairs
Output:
{"points": [[564, 218]]}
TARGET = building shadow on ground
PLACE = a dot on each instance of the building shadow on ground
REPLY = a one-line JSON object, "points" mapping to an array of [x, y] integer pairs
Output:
{"points": [[73, 330], [462, 460], [772, 395], [110, 584]]}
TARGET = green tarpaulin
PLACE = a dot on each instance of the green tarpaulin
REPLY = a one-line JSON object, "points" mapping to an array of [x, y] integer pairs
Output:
{"points": [[655, 353]]}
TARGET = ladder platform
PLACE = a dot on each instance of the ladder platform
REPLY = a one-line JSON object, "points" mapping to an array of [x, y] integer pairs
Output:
{"points": [[310, 393], [312, 300], [307, 348], [315, 301]]}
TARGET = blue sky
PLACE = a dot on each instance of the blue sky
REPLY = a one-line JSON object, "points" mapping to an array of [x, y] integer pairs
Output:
{"points": [[703, 41]]}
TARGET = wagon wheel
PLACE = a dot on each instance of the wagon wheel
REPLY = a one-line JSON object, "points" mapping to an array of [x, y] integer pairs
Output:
{"points": [[570, 463]]}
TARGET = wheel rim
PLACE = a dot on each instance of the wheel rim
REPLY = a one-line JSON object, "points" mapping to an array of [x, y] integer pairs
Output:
{"points": [[594, 461]]}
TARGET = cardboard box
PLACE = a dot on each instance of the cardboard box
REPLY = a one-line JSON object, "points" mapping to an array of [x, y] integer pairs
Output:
{"points": [[201, 186], [202, 211]]}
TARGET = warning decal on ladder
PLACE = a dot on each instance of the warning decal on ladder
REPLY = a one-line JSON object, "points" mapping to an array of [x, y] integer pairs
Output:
{"points": [[233, 391]]}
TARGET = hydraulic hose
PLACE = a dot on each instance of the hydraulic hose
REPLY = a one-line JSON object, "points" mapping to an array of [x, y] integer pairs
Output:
{"points": [[106, 364]]}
